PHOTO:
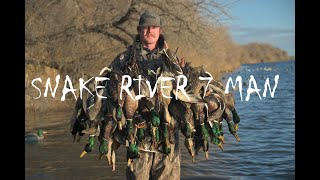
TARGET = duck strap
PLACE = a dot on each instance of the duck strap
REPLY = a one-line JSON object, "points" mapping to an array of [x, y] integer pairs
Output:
{"points": [[172, 63], [132, 65], [170, 56]]}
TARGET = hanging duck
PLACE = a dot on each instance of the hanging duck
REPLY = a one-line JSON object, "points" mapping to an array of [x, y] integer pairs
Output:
{"points": [[227, 115], [199, 115], [182, 112], [140, 124], [231, 115]]}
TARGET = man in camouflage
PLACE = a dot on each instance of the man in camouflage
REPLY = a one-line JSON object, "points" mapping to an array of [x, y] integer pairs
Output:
{"points": [[150, 48]]}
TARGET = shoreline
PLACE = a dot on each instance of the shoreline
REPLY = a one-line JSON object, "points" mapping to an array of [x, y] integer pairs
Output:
{"points": [[35, 120]]}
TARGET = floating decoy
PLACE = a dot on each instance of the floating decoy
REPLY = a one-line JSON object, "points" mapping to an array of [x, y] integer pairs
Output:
{"points": [[35, 137]]}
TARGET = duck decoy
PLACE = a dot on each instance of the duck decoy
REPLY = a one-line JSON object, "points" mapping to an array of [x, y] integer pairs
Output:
{"points": [[35, 137]]}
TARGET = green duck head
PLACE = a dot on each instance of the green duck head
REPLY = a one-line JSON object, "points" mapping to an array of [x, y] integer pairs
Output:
{"points": [[133, 152], [89, 146], [103, 147], [41, 132], [155, 120], [166, 149]]}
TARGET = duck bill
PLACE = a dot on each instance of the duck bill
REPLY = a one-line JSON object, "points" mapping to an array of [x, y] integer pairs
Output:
{"points": [[220, 146], [221, 138], [129, 162], [236, 126], [83, 154], [119, 125]]}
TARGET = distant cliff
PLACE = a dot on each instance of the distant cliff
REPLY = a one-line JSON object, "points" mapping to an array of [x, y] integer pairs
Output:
{"points": [[262, 52]]}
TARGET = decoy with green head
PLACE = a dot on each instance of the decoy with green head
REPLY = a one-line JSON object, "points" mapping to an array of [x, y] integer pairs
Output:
{"points": [[35, 137]]}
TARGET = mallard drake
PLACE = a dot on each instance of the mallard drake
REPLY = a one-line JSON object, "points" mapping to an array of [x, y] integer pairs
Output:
{"points": [[89, 146], [35, 137], [132, 153], [182, 112]]}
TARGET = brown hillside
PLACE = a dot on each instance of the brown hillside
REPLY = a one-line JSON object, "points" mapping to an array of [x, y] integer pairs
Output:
{"points": [[262, 52]]}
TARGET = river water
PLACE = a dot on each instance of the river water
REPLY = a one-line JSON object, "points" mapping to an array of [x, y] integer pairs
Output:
{"points": [[266, 149]]}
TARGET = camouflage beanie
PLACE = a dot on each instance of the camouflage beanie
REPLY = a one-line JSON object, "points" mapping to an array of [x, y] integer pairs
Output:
{"points": [[149, 18]]}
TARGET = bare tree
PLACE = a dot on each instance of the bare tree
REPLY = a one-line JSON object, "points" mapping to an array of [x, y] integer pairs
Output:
{"points": [[82, 35]]}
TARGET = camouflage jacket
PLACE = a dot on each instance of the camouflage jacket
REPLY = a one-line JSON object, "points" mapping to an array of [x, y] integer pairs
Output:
{"points": [[148, 60], [150, 165]]}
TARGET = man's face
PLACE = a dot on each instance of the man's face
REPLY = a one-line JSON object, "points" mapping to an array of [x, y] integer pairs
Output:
{"points": [[149, 34]]}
